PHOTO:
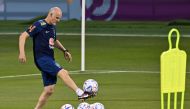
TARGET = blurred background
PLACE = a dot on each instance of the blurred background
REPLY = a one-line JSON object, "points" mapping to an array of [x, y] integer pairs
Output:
{"points": [[98, 10]]}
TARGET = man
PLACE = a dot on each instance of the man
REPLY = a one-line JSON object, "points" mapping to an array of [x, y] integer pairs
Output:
{"points": [[43, 33]]}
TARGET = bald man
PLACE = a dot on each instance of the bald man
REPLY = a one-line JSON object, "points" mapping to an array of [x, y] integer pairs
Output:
{"points": [[43, 33]]}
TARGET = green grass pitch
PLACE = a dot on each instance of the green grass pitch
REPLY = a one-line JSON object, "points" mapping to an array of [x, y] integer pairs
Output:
{"points": [[119, 90]]}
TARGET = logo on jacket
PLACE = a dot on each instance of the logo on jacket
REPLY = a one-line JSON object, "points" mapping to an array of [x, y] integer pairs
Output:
{"points": [[51, 43]]}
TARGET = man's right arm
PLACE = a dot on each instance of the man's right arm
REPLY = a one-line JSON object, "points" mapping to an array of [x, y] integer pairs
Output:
{"points": [[22, 40]]}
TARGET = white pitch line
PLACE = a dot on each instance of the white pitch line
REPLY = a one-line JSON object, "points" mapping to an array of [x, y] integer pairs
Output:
{"points": [[15, 76], [9, 33], [100, 34], [27, 75], [86, 72], [76, 72], [79, 72]]}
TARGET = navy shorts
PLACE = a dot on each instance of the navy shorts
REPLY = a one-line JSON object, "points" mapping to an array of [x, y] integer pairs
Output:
{"points": [[49, 69]]}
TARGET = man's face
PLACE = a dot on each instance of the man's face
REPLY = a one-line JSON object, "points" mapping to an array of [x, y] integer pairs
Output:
{"points": [[56, 17]]}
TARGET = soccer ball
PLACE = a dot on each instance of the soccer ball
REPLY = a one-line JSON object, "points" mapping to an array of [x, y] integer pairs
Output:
{"points": [[90, 86], [83, 105], [67, 106], [97, 106]]}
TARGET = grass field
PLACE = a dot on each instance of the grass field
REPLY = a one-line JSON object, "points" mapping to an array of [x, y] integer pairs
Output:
{"points": [[136, 87], [114, 27]]}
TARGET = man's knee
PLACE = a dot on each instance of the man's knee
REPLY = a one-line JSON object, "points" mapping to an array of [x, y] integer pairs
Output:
{"points": [[49, 91], [63, 73]]}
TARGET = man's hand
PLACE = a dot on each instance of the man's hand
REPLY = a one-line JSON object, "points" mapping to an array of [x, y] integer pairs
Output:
{"points": [[22, 39], [22, 58], [68, 56]]}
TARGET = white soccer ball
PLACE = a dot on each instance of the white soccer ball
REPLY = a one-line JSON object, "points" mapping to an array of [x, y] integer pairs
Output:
{"points": [[90, 86], [97, 106], [83, 105], [67, 106]]}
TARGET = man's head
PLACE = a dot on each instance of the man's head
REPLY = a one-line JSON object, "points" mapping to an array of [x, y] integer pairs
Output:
{"points": [[54, 15]]}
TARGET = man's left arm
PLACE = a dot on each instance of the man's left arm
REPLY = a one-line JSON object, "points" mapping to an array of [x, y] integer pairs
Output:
{"points": [[67, 55]]}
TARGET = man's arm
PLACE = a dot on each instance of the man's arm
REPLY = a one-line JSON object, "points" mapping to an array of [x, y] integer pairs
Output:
{"points": [[60, 46], [67, 55], [22, 40]]}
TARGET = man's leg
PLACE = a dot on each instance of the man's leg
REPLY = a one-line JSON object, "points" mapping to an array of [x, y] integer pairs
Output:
{"points": [[48, 90], [64, 75]]}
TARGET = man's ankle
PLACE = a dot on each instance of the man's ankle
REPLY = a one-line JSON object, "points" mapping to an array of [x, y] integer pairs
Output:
{"points": [[79, 92]]}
